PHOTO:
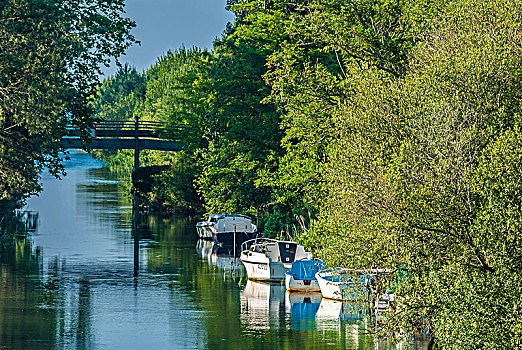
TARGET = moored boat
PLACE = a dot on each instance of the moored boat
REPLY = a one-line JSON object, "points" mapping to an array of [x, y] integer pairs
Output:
{"points": [[268, 259], [203, 227], [227, 229], [344, 284], [301, 276]]}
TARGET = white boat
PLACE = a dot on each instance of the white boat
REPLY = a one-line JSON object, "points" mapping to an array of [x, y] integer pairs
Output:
{"points": [[344, 284], [268, 259], [227, 229], [301, 276], [203, 227]]}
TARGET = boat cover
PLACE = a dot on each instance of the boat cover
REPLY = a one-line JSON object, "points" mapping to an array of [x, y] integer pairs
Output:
{"points": [[306, 269]]}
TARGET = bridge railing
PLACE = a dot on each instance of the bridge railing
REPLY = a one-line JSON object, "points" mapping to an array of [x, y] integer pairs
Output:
{"points": [[124, 134], [123, 128], [127, 129]]}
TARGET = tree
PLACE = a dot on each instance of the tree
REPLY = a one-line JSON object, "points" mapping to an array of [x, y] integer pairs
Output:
{"points": [[242, 133], [173, 97], [311, 47], [119, 95], [402, 121], [50, 61], [423, 179]]}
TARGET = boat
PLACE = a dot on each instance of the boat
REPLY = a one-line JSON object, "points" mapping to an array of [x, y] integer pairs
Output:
{"points": [[203, 227], [227, 229], [268, 259], [301, 276], [344, 284]]}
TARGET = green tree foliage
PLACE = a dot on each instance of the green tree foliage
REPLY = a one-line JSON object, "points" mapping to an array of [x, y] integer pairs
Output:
{"points": [[243, 133], [401, 121], [49, 64], [422, 177], [119, 95], [165, 92], [172, 97], [311, 47]]}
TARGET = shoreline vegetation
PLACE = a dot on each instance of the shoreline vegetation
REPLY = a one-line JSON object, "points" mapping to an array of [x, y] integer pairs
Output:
{"points": [[50, 61], [378, 134]]}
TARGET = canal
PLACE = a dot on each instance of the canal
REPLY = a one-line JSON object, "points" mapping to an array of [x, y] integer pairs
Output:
{"points": [[73, 283]]}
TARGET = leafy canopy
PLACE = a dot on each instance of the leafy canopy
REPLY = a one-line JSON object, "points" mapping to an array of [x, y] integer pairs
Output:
{"points": [[50, 61]]}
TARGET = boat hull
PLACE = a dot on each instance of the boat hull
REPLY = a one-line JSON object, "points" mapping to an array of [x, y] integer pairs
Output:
{"points": [[226, 239], [349, 288], [263, 271], [204, 231], [306, 286]]}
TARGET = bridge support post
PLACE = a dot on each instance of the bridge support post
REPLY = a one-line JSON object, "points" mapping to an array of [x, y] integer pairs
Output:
{"points": [[136, 145], [135, 200]]}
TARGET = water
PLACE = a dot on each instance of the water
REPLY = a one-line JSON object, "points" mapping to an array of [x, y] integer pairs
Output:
{"points": [[74, 284]]}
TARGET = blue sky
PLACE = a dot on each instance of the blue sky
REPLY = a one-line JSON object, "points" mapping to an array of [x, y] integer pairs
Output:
{"points": [[169, 24]]}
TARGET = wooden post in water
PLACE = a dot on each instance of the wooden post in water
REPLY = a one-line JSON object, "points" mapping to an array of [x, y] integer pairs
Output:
{"points": [[136, 249], [235, 246]]}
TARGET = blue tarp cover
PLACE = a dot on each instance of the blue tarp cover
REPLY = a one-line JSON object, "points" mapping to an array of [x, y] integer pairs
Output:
{"points": [[306, 269]]}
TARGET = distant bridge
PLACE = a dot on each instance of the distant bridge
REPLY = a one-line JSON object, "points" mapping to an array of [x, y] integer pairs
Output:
{"points": [[123, 134]]}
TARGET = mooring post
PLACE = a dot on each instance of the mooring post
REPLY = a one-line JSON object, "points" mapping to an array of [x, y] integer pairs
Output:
{"points": [[235, 246], [136, 253], [135, 199]]}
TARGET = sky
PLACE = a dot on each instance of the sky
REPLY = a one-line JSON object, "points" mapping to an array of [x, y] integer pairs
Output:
{"points": [[169, 24]]}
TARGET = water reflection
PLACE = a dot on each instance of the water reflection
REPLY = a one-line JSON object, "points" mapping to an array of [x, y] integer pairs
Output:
{"points": [[29, 219], [262, 305], [72, 285], [219, 256], [23, 321], [303, 309]]}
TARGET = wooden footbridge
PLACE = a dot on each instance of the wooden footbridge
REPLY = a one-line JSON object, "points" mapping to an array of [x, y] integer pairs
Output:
{"points": [[123, 134]]}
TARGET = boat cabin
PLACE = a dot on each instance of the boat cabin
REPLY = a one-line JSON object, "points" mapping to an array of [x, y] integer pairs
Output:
{"points": [[232, 223], [283, 251]]}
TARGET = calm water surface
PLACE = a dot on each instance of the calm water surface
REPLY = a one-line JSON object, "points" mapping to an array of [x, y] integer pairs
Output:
{"points": [[73, 284]]}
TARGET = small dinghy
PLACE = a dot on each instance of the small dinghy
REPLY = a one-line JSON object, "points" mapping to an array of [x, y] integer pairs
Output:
{"points": [[301, 276], [344, 284]]}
